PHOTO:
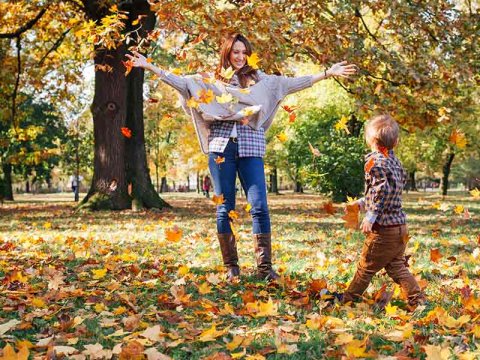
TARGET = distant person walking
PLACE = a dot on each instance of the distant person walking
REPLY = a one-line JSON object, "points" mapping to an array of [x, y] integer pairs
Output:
{"points": [[206, 185]]}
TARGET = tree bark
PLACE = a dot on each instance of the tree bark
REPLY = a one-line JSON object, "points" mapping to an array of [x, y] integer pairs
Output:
{"points": [[298, 187], [163, 185], [118, 102], [446, 172], [413, 184], [7, 182], [274, 181]]}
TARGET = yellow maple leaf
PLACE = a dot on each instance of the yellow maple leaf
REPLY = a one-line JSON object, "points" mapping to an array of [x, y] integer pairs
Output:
{"points": [[224, 98], [351, 199], [227, 73], [99, 273], [390, 309], [250, 110], [205, 96], [211, 334], [204, 288], [282, 137], [452, 323], [475, 193], [261, 309], [183, 270], [458, 138], [10, 354], [356, 348], [253, 60], [99, 307], [343, 338], [38, 302], [459, 209], [47, 225], [248, 207], [342, 124], [235, 343], [193, 103], [233, 215]]}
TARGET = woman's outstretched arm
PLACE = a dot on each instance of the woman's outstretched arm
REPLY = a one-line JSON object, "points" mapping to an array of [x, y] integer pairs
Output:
{"points": [[177, 82], [341, 69]]}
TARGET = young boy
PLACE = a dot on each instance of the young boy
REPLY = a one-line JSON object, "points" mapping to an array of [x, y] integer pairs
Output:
{"points": [[385, 222]]}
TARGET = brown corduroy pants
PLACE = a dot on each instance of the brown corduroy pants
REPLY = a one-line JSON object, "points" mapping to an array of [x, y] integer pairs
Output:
{"points": [[384, 247]]}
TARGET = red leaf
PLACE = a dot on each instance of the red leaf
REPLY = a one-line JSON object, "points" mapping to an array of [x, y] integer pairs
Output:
{"points": [[126, 132]]}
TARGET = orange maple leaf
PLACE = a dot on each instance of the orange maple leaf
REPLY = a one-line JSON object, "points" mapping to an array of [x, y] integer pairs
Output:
{"points": [[329, 208], [126, 132], [351, 216], [369, 165], [174, 234], [289, 109], [219, 160], [128, 66], [435, 255], [218, 199], [292, 117]]}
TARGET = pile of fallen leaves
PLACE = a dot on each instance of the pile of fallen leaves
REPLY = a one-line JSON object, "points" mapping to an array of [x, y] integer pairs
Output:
{"points": [[150, 285]]}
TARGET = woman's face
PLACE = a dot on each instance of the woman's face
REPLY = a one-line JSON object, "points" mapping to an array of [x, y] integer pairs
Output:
{"points": [[238, 55]]}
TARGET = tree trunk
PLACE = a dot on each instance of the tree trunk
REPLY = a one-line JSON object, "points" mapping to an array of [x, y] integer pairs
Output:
{"points": [[7, 182], [274, 181], [298, 187], [163, 185], [446, 172], [118, 102], [198, 182], [27, 186], [413, 184]]}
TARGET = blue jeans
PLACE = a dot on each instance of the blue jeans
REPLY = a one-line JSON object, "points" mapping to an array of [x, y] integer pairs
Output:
{"points": [[252, 177]]}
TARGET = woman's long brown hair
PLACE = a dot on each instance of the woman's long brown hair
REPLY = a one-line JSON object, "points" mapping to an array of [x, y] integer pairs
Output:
{"points": [[246, 73]]}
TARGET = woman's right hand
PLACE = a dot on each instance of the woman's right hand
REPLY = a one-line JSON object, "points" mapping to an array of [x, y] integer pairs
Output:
{"points": [[138, 60]]}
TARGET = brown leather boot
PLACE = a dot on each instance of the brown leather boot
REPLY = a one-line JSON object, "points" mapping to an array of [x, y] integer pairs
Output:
{"points": [[228, 247], [263, 254]]}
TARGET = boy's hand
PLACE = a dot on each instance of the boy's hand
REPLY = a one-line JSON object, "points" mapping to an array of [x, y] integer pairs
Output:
{"points": [[366, 226]]}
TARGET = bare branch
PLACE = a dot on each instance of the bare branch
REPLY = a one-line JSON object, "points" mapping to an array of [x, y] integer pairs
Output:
{"points": [[55, 46]]}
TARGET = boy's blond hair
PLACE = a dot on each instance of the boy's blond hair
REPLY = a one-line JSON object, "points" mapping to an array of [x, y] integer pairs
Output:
{"points": [[382, 130]]}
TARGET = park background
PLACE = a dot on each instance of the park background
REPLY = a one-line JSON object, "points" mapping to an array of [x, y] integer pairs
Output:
{"points": [[143, 278]]}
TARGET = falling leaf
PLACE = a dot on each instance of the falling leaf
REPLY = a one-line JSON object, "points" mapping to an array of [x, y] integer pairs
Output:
{"points": [[205, 96], [193, 103], [173, 234], [219, 160], [253, 60], [218, 199], [458, 138], [233, 215], [250, 110], [342, 124], [128, 66], [351, 216], [435, 255], [292, 117], [329, 208], [459, 209], [475, 193], [224, 98], [248, 207], [282, 137], [227, 73], [314, 150], [126, 132], [289, 108]]}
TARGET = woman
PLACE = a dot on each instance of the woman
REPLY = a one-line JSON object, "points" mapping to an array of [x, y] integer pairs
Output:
{"points": [[206, 186], [231, 129]]}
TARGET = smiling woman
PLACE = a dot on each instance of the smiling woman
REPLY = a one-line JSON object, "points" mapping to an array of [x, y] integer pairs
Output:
{"points": [[231, 112]]}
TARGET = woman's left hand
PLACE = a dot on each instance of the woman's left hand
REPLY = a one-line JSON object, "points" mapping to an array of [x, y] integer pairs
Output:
{"points": [[342, 69]]}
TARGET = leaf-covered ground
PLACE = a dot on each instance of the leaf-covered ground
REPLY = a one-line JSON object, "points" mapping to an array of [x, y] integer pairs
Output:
{"points": [[150, 285]]}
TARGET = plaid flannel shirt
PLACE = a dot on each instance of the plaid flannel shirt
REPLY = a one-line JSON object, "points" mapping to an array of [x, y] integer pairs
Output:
{"points": [[250, 142], [384, 182]]}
